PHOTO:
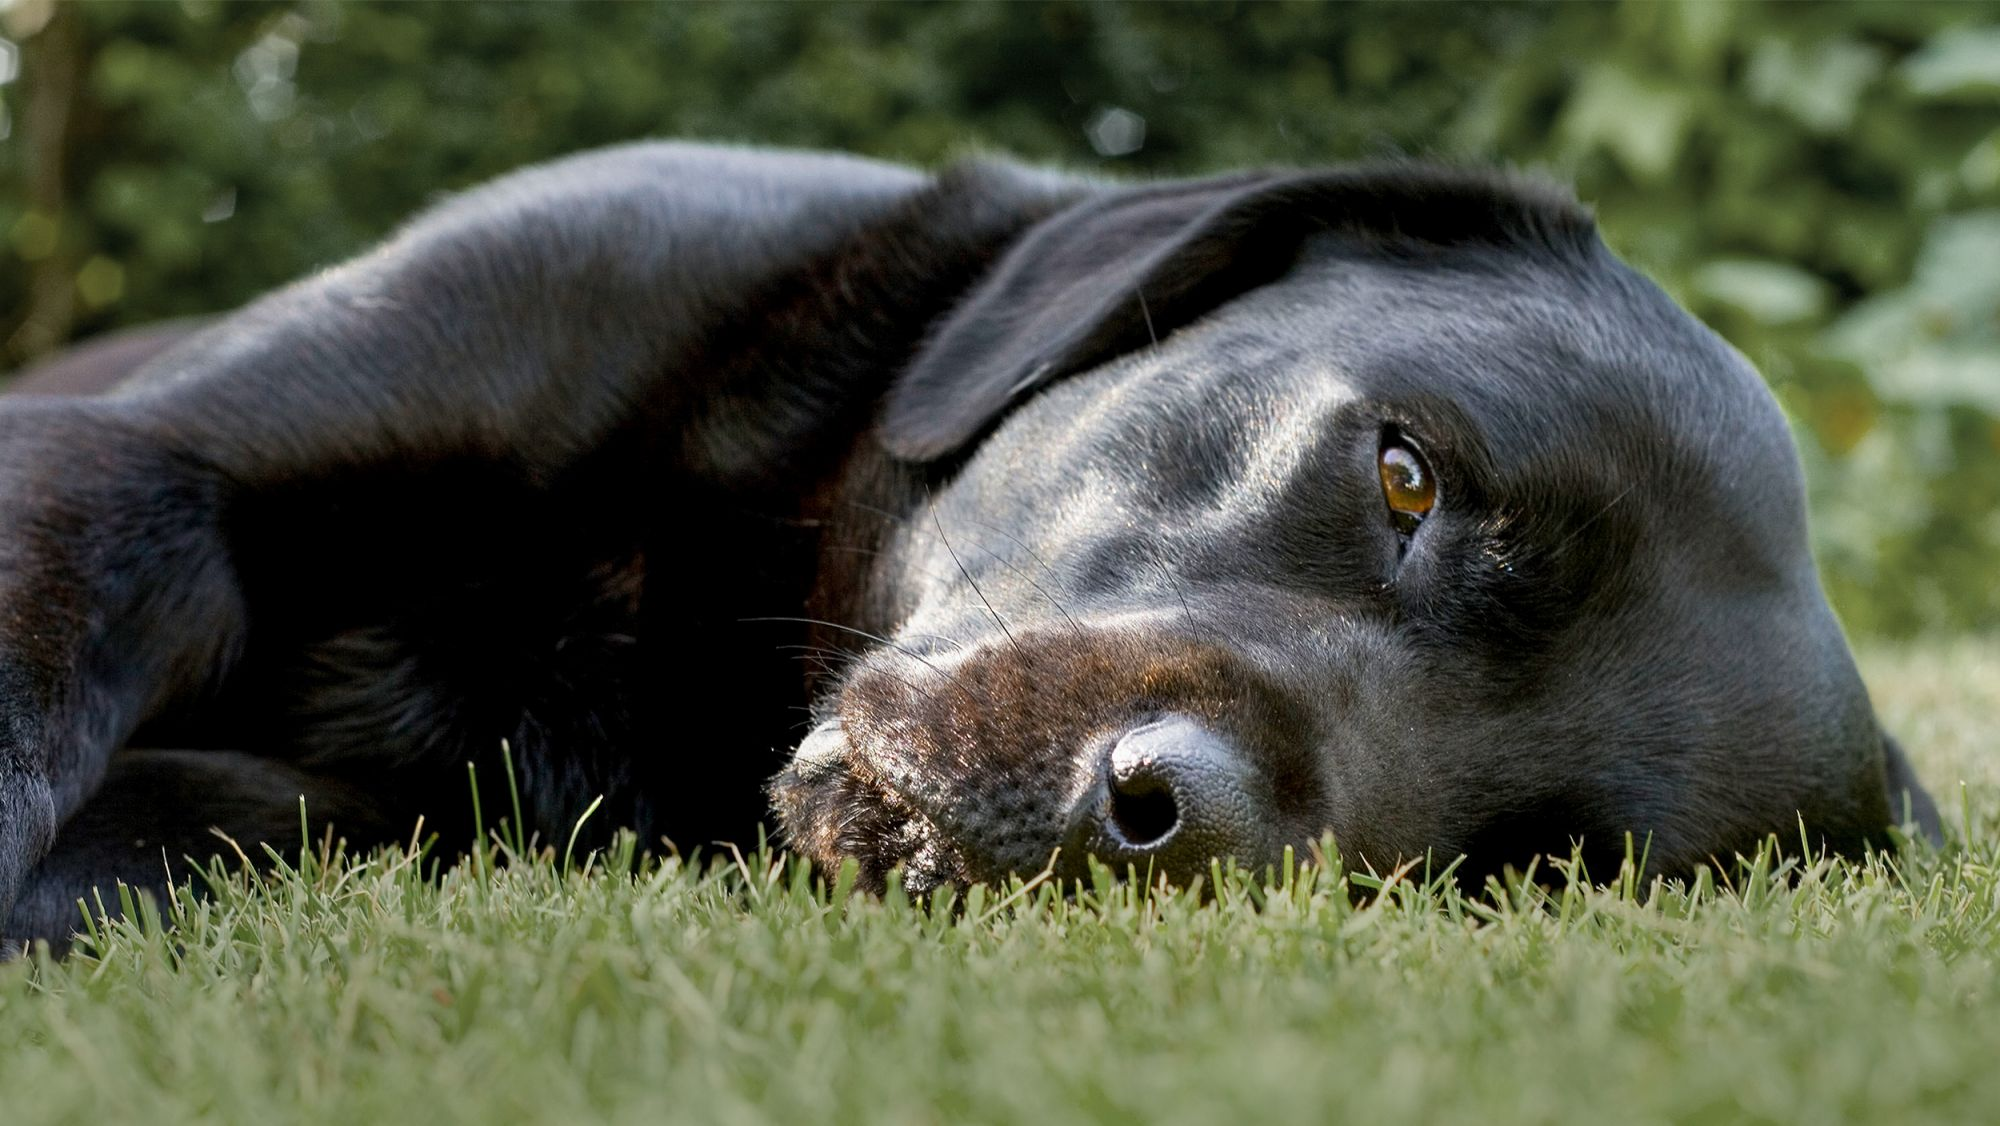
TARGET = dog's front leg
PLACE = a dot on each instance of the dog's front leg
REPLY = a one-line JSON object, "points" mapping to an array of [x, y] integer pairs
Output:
{"points": [[115, 594]]}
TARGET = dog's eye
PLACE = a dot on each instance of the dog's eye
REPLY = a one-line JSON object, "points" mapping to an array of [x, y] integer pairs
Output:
{"points": [[1407, 484]]}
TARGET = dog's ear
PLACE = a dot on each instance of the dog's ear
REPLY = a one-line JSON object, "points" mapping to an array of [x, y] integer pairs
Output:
{"points": [[1909, 803], [1119, 270], [1102, 277]]}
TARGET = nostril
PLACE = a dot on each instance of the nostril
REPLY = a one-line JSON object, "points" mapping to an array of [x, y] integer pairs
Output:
{"points": [[1143, 810], [1175, 793]]}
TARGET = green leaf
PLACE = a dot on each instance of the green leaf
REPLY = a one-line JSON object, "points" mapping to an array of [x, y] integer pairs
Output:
{"points": [[1772, 292], [1962, 63], [1820, 86], [1642, 123]]}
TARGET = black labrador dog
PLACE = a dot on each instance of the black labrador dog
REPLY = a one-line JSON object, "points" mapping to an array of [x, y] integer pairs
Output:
{"points": [[1159, 522]]}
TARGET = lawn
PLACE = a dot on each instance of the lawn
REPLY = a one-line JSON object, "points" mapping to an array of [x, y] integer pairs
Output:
{"points": [[357, 993]]}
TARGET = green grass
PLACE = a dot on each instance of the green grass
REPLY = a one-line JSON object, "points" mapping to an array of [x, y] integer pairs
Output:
{"points": [[363, 992]]}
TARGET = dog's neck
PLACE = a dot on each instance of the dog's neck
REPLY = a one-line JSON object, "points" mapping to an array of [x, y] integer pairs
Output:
{"points": [[782, 404]]}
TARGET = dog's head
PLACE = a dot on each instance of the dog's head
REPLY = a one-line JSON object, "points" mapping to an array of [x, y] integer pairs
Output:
{"points": [[1384, 502]]}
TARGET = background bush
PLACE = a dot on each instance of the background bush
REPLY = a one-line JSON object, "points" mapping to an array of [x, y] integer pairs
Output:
{"points": [[1821, 182]]}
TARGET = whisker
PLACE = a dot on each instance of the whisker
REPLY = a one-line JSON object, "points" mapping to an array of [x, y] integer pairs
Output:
{"points": [[828, 657], [1179, 592], [997, 620], [1580, 528], [882, 553], [915, 688], [1039, 561], [892, 517], [879, 640], [875, 637]]}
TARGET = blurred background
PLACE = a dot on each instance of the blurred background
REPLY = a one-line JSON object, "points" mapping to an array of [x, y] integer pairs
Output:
{"points": [[1821, 182]]}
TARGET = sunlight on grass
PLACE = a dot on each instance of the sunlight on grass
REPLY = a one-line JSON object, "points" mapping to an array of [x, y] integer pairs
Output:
{"points": [[375, 990]]}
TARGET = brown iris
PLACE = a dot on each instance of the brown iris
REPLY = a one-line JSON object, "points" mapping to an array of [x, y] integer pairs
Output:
{"points": [[1407, 484]]}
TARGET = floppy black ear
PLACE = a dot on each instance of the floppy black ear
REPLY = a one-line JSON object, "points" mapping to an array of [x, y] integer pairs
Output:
{"points": [[1102, 277], [1909, 803], [1116, 271]]}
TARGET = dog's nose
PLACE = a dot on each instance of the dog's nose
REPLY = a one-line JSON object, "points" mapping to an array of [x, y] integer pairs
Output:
{"points": [[1178, 795]]}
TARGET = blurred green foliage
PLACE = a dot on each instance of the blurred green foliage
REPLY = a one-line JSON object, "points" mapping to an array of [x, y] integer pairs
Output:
{"points": [[1820, 181]]}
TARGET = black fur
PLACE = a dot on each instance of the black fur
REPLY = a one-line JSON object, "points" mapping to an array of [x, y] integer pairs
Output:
{"points": [[583, 461]]}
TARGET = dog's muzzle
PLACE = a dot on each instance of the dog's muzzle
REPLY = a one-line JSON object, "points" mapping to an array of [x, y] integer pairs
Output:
{"points": [[1137, 752]]}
